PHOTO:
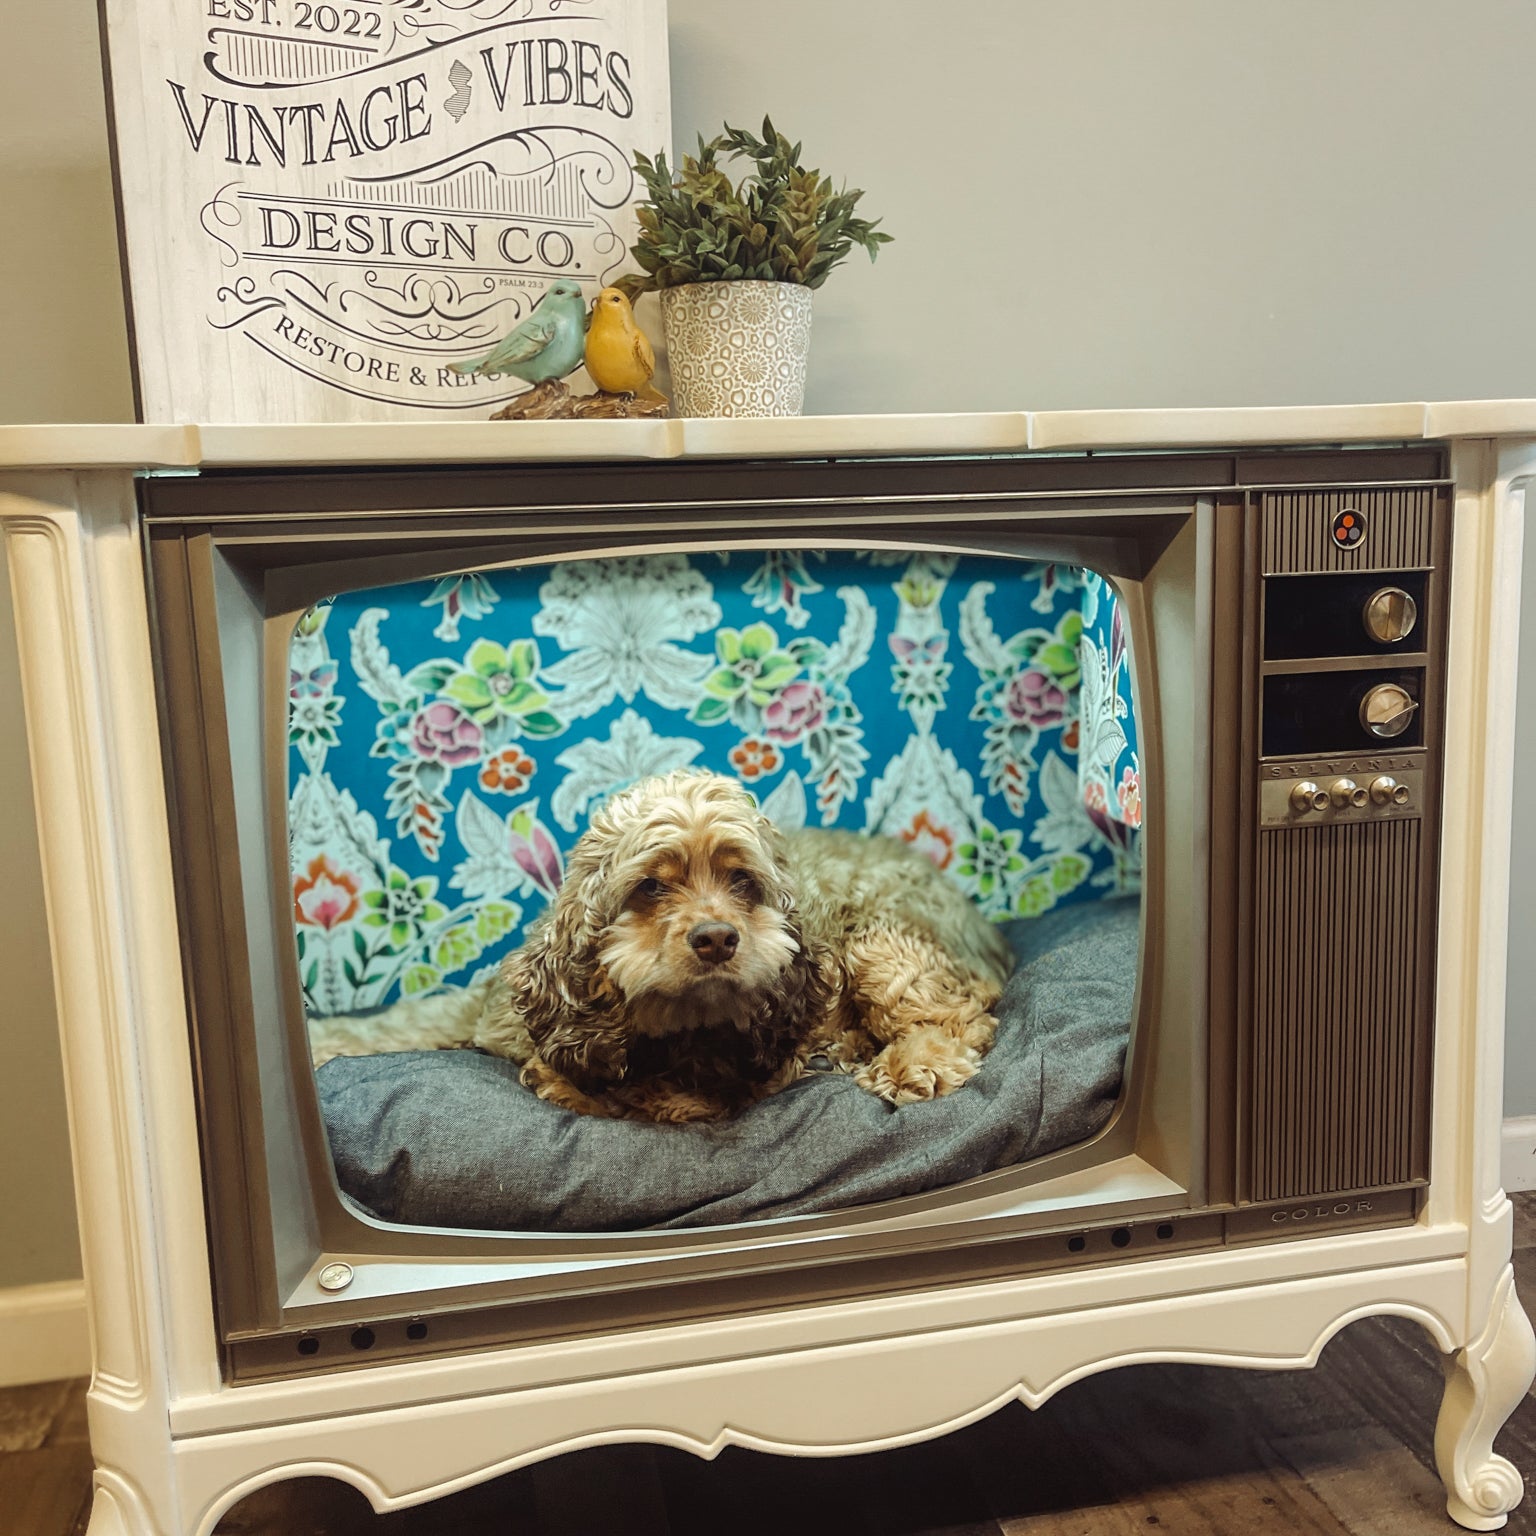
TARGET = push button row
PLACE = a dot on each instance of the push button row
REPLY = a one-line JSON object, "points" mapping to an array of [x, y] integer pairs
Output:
{"points": [[1308, 796]]}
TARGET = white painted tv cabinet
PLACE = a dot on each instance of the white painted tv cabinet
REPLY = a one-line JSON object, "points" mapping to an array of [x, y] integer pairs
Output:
{"points": [[175, 1446]]}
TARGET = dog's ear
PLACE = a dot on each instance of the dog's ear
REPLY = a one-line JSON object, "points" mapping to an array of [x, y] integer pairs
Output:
{"points": [[801, 1001], [562, 993], [805, 992]]}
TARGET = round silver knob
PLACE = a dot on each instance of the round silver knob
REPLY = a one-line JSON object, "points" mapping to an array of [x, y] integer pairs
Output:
{"points": [[1387, 791], [1387, 710], [1307, 796], [1389, 615], [1344, 792]]}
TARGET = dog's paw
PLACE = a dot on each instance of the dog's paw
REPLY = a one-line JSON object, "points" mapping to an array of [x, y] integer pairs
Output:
{"points": [[918, 1066], [550, 1086]]}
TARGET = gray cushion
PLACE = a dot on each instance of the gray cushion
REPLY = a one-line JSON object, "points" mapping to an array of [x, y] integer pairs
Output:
{"points": [[452, 1139]]}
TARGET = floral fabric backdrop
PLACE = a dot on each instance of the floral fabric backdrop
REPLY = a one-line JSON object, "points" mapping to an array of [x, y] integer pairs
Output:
{"points": [[449, 739]]}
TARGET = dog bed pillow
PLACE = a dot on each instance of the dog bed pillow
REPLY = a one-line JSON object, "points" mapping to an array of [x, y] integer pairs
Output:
{"points": [[452, 1139]]}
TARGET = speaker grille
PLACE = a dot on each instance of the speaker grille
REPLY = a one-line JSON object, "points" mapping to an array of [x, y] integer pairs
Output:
{"points": [[1298, 539], [1337, 1019]]}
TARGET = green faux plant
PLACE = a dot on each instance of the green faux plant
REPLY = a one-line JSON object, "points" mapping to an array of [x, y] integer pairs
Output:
{"points": [[781, 223]]}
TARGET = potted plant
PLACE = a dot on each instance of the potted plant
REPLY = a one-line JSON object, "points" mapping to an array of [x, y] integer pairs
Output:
{"points": [[735, 264]]}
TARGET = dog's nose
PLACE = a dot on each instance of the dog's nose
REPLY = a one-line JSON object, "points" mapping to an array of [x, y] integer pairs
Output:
{"points": [[713, 943]]}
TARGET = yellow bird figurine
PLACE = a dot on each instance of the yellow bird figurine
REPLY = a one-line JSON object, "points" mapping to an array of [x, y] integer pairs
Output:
{"points": [[619, 358]]}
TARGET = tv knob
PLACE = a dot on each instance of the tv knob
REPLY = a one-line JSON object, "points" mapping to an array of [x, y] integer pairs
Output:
{"points": [[1387, 710], [1345, 792], [1307, 796], [1387, 791], [1389, 615]]}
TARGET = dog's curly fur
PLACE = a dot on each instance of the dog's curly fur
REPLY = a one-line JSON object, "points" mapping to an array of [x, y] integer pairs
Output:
{"points": [[619, 1003]]}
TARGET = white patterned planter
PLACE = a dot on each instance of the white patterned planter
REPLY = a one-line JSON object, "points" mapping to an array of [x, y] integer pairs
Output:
{"points": [[737, 349]]}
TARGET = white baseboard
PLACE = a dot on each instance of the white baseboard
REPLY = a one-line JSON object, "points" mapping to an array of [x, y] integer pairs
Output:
{"points": [[1519, 1157], [43, 1333]]}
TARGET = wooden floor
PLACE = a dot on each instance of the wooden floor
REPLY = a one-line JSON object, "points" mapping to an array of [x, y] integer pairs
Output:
{"points": [[1177, 1449]]}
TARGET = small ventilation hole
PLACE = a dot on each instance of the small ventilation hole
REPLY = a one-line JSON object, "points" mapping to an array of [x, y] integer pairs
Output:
{"points": [[1076, 1244], [309, 1345], [415, 1330], [1121, 1237], [362, 1338], [1165, 1230]]}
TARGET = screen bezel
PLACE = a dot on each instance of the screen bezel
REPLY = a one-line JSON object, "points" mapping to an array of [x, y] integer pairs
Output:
{"points": [[231, 555]]}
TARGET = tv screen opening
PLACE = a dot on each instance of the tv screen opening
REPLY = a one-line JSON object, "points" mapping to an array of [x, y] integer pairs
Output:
{"points": [[680, 890]]}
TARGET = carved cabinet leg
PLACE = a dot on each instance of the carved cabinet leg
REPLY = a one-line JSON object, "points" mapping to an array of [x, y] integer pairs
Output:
{"points": [[1484, 1384], [113, 1516]]}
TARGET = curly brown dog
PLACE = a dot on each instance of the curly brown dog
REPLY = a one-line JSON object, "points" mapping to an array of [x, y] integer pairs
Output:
{"points": [[696, 958]]}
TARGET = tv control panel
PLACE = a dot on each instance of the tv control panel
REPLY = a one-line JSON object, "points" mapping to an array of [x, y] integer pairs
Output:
{"points": [[1334, 789], [1348, 675], [1346, 652]]}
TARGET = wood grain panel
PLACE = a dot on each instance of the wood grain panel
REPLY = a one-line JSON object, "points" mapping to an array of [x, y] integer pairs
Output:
{"points": [[1298, 539], [1337, 1027]]}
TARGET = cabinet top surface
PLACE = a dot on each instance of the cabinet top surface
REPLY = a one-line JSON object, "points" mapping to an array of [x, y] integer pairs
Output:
{"points": [[156, 446]]}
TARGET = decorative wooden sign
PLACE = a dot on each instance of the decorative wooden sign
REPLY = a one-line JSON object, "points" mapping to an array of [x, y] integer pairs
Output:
{"points": [[326, 206]]}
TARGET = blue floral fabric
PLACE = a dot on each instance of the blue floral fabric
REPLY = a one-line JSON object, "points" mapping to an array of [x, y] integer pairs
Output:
{"points": [[449, 739], [1109, 765]]}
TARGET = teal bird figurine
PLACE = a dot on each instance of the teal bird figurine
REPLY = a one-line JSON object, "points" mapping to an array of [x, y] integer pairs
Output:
{"points": [[546, 346]]}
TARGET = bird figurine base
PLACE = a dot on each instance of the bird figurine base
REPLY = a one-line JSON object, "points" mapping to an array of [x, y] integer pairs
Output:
{"points": [[552, 401]]}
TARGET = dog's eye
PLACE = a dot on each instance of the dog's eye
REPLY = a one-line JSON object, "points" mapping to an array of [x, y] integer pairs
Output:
{"points": [[744, 885], [649, 888]]}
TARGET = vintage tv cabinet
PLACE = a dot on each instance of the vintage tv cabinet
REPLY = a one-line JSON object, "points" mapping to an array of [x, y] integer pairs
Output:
{"points": [[176, 1445]]}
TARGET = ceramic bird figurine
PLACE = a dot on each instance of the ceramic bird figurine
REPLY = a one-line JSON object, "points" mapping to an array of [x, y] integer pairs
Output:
{"points": [[619, 358], [544, 347]]}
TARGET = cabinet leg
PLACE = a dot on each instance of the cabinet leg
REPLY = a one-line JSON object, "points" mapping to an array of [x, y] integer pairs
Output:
{"points": [[108, 1517], [1484, 1384]]}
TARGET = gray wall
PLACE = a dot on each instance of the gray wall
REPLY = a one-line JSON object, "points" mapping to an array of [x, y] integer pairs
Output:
{"points": [[61, 298], [1107, 202], [1104, 203]]}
